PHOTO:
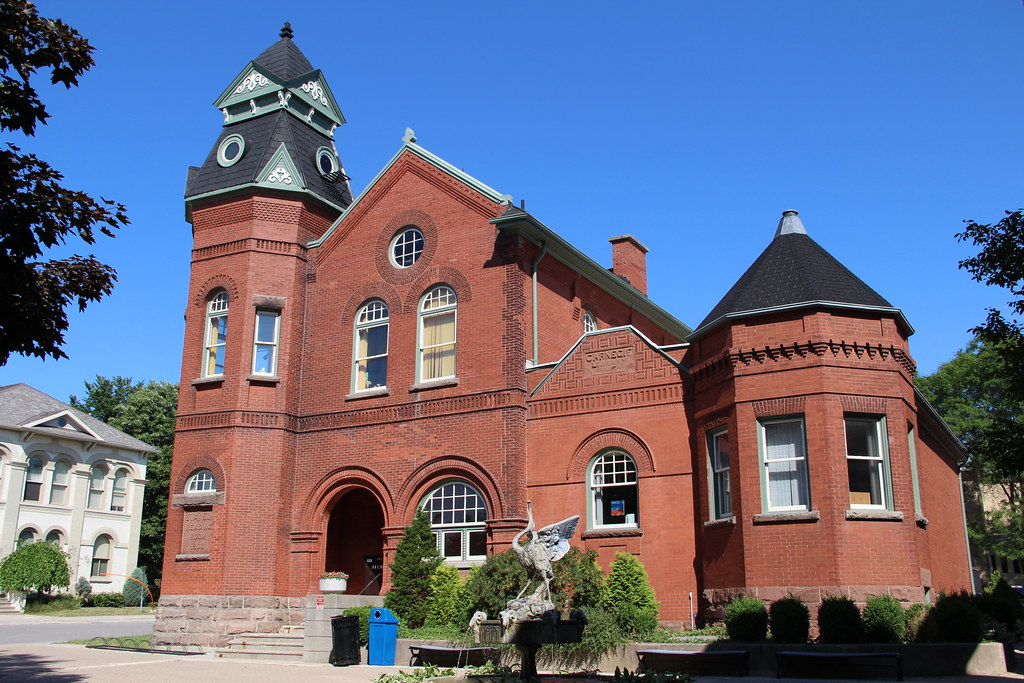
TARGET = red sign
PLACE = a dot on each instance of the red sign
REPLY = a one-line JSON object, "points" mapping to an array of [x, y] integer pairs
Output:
{"points": [[319, 602]]}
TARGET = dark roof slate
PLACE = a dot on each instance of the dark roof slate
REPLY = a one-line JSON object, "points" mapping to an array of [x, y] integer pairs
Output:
{"points": [[285, 60], [21, 405], [263, 135], [794, 269]]}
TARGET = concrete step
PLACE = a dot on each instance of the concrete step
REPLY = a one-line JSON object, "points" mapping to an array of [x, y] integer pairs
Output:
{"points": [[6, 607], [286, 645]]}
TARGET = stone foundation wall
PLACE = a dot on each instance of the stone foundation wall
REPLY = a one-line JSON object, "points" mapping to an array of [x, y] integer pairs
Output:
{"points": [[715, 600], [213, 620]]}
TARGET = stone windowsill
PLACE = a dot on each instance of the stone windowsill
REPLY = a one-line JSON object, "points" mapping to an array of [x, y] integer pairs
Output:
{"points": [[208, 381], [921, 520], [205, 557], [99, 579], [368, 393], [435, 384], [613, 533], [787, 517], [197, 499], [724, 521], [875, 515], [263, 379]]}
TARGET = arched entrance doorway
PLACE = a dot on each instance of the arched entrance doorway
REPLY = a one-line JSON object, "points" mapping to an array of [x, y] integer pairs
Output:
{"points": [[355, 544]]}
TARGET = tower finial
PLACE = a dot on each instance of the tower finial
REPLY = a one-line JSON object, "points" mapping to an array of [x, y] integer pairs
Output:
{"points": [[286, 30]]}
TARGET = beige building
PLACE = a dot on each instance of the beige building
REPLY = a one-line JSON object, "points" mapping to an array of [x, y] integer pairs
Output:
{"points": [[69, 478]]}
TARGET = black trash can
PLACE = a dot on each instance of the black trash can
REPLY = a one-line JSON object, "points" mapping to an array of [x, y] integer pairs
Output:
{"points": [[344, 640]]}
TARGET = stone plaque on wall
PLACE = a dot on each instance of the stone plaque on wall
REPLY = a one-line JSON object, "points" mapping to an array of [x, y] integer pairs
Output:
{"points": [[195, 537], [608, 361]]}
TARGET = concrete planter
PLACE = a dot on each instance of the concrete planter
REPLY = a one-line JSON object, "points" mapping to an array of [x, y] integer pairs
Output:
{"points": [[333, 585]]}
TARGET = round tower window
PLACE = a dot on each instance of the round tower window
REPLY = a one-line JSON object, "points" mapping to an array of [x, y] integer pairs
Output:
{"points": [[326, 161], [230, 150], [406, 247]]}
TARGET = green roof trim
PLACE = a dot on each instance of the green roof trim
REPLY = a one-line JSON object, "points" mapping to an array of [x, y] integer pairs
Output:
{"points": [[253, 187], [254, 81], [281, 172], [313, 89], [530, 228], [436, 161]]}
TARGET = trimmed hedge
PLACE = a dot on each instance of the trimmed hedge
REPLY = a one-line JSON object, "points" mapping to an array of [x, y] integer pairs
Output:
{"points": [[790, 620], [746, 619], [884, 620], [839, 621]]}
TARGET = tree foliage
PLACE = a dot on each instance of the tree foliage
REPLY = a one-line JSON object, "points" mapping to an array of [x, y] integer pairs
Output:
{"points": [[147, 412], [35, 567], [36, 212], [579, 582], [630, 596], [133, 591], [495, 582], [448, 599], [416, 558], [974, 393]]}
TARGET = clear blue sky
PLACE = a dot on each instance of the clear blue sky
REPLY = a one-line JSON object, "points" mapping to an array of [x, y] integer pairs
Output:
{"points": [[691, 125]]}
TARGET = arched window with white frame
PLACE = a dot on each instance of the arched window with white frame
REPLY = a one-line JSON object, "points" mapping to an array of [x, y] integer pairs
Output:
{"points": [[56, 537], [119, 491], [59, 482], [589, 323], [437, 325], [27, 536], [34, 479], [101, 551], [201, 481], [613, 483], [97, 486], [458, 517], [370, 349], [216, 335]]}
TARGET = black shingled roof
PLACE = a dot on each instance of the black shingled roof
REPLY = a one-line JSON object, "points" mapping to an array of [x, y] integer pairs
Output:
{"points": [[285, 60], [792, 270], [263, 135]]}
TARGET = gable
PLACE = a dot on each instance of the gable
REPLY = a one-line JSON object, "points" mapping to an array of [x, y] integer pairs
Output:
{"points": [[64, 420], [612, 359]]}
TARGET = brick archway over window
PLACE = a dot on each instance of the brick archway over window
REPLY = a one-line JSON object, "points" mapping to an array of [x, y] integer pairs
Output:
{"points": [[441, 275], [211, 285], [371, 290], [449, 467], [603, 440], [197, 463]]}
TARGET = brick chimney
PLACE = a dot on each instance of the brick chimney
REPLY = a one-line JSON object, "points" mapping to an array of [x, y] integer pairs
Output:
{"points": [[629, 260]]}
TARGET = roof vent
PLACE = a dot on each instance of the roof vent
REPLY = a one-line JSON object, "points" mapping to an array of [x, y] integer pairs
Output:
{"points": [[790, 224], [286, 31]]}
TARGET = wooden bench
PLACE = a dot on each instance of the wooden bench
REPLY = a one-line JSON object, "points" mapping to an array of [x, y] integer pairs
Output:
{"points": [[422, 655], [707, 662], [815, 662]]}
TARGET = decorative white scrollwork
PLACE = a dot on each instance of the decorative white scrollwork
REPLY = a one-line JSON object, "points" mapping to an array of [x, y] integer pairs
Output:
{"points": [[254, 80], [280, 175], [315, 91]]}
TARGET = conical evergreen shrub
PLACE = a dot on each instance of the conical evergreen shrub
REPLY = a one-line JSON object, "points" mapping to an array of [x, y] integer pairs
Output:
{"points": [[416, 558]]}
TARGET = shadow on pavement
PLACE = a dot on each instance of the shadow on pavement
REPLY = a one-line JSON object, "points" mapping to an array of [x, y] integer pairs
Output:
{"points": [[27, 667]]}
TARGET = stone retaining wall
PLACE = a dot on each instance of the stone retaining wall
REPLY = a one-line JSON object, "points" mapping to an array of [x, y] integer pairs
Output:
{"points": [[213, 620]]}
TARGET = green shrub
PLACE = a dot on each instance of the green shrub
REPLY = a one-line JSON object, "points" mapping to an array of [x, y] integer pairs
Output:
{"points": [[839, 621], [364, 621], [494, 583], [884, 621], [630, 597], [914, 616], [108, 600], [83, 589], [1002, 603], [416, 558], [790, 620], [746, 619], [133, 591], [600, 636], [448, 599], [42, 603], [579, 582], [35, 567], [993, 581], [954, 619]]}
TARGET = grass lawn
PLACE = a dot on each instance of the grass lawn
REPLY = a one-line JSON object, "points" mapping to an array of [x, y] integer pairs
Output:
{"points": [[96, 612], [128, 641]]}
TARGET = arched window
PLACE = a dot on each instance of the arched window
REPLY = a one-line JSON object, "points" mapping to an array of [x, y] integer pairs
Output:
{"points": [[55, 537], [27, 536], [119, 494], [589, 322], [100, 556], [406, 246], [437, 334], [34, 479], [371, 347], [201, 481], [216, 334], [613, 491], [97, 483], [458, 516], [59, 483]]}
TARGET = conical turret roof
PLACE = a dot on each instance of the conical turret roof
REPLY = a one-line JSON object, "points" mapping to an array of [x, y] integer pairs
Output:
{"points": [[284, 58], [794, 271]]}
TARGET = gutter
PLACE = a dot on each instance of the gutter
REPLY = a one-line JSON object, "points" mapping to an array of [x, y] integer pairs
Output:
{"points": [[536, 343]]}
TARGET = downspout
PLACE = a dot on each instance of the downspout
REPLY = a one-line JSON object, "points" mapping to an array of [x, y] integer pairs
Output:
{"points": [[967, 538], [536, 343]]}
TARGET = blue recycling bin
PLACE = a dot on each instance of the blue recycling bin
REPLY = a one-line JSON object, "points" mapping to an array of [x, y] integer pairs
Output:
{"points": [[383, 637]]}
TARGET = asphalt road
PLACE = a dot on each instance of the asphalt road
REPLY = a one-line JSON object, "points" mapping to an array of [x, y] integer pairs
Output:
{"points": [[41, 629]]}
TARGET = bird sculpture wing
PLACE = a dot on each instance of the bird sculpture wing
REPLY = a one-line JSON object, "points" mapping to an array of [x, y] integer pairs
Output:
{"points": [[556, 537]]}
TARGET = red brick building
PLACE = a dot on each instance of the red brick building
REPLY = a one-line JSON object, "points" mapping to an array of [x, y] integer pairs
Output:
{"points": [[348, 360]]}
